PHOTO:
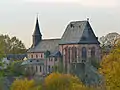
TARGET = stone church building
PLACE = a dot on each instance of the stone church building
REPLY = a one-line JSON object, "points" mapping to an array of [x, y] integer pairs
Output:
{"points": [[77, 45]]}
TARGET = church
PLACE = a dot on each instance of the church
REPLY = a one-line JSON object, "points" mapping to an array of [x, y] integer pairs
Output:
{"points": [[77, 45]]}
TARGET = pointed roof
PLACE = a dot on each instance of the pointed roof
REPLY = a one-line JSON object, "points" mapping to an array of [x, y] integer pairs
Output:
{"points": [[37, 29], [79, 32]]}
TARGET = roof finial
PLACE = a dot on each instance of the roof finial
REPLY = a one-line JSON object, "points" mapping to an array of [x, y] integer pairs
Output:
{"points": [[37, 15], [87, 19]]}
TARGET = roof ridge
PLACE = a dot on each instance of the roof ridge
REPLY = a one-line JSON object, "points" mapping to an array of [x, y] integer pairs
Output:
{"points": [[51, 39]]}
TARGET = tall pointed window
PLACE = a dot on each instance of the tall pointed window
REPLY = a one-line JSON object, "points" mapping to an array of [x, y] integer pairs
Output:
{"points": [[93, 52], [66, 54], [75, 54], [84, 53], [69, 54]]}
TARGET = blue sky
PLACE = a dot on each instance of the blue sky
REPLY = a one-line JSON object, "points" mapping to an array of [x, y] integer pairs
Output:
{"points": [[17, 17]]}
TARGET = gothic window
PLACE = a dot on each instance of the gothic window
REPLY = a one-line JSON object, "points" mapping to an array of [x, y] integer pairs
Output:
{"points": [[72, 54], [66, 54], [75, 54], [69, 54], [93, 52], [84, 53]]}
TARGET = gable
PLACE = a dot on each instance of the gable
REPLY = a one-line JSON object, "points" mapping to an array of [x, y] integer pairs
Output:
{"points": [[88, 36]]}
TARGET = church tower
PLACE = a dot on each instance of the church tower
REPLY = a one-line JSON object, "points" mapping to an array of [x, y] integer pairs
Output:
{"points": [[37, 36]]}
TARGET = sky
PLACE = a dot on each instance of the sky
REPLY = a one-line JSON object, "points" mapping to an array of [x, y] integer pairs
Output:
{"points": [[18, 17]]}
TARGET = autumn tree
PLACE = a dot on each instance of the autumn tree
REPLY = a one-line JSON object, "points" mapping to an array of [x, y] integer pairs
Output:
{"points": [[111, 68], [57, 81], [23, 84]]}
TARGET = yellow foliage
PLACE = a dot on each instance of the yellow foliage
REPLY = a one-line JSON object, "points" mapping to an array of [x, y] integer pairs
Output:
{"points": [[56, 81], [111, 69], [23, 84]]}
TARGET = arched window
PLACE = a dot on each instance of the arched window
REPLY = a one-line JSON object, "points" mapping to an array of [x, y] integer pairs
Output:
{"points": [[75, 54], [66, 54], [69, 54], [84, 53], [93, 52]]}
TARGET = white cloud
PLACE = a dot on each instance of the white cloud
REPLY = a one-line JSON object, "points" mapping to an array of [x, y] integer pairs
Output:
{"points": [[88, 3]]}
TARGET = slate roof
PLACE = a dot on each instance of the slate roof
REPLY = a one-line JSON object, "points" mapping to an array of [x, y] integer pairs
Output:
{"points": [[37, 29], [79, 32], [16, 56], [46, 45], [56, 54]]}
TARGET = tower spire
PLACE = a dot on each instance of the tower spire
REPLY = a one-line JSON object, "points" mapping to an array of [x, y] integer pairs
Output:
{"points": [[37, 36]]}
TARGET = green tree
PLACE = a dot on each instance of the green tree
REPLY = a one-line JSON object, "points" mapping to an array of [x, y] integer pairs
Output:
{"points": [[10, 45], [15, 69]]}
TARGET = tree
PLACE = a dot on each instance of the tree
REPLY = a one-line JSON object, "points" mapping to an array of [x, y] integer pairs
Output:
{"points": [[110, 68], [15, 69], [10, 46], [57, 81], [23, 84], [108, 41]]}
